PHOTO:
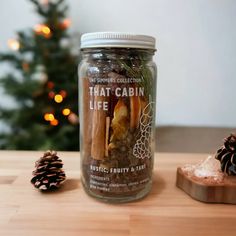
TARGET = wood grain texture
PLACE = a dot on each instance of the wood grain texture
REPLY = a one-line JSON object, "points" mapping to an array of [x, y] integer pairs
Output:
{"points": [[24, 211], [204, 191]]}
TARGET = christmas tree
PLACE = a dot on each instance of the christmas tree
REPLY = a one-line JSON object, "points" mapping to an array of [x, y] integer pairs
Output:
{"points": [[43, 83]]}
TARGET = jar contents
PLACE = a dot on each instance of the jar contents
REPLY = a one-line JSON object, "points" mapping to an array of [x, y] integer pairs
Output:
{"points": [[117, 113]]}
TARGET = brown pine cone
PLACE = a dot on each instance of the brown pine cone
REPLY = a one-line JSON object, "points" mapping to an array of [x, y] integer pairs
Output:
{"points": [[48, 174], [227, 155]]}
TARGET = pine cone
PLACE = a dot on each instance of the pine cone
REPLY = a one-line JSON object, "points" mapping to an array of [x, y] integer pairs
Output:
{"points": [[227, 155], [48, 173]]}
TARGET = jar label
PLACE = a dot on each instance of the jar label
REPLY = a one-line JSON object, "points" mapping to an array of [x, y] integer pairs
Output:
{"points": [[118, 117]]}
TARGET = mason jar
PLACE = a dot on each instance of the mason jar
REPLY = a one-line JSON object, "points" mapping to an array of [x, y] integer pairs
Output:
{"points": [[117, 95]]}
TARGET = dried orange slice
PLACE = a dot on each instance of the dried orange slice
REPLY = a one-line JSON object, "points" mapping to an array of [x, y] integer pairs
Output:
{"points": [[135, 111], [119, 122]]}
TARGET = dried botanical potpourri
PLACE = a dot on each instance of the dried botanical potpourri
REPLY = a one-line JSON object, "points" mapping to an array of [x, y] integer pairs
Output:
{"points": [[117, 83]]}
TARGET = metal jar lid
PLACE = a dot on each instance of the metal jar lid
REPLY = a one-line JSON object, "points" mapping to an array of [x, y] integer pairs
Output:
{"points": [[117, 40]]}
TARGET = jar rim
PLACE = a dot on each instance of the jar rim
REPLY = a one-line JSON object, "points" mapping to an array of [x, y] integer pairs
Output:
{"points": [[117, 40]]}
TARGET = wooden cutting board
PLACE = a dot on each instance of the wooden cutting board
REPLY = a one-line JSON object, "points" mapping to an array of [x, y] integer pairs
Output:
{"points": [[203, 190]]}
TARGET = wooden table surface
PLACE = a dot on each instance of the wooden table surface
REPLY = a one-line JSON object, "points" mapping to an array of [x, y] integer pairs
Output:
{"points": [[166, 211]]}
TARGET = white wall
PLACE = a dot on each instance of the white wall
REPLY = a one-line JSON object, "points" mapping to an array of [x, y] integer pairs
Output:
{"points": [[196, 56]]}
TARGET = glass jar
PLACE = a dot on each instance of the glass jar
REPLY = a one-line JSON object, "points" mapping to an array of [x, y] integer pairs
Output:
{"points": [[117, 94]]}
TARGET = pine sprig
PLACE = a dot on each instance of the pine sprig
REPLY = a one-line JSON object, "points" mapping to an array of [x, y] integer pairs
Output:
{"points": [[139, 72]]}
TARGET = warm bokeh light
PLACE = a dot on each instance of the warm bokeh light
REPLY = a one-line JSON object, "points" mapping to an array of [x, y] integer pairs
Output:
{"points": [[49, 117], [63, 93], [37, 28], [58, 98], [25, 66], [66, 23], [66, 111], [42, 29], [50, 85], [46, 29], [54, 122], [44, 2], [73, 118], [13, 44], [51, 94]]}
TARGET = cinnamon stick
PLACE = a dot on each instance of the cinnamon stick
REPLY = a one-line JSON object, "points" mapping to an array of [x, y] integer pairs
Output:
{"points": [[87, 119], [107, 135], [99, 129]]}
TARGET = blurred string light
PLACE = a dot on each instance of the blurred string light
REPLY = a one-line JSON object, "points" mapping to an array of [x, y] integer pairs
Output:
{"points": [[44, 2], [46, 30], [51, 94], [58, 98], [66, 23], [13, 44], [42, 29], [73, 118], [54, 122], [50, 85], [49, 117], [63, 93], [66, 111]]}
